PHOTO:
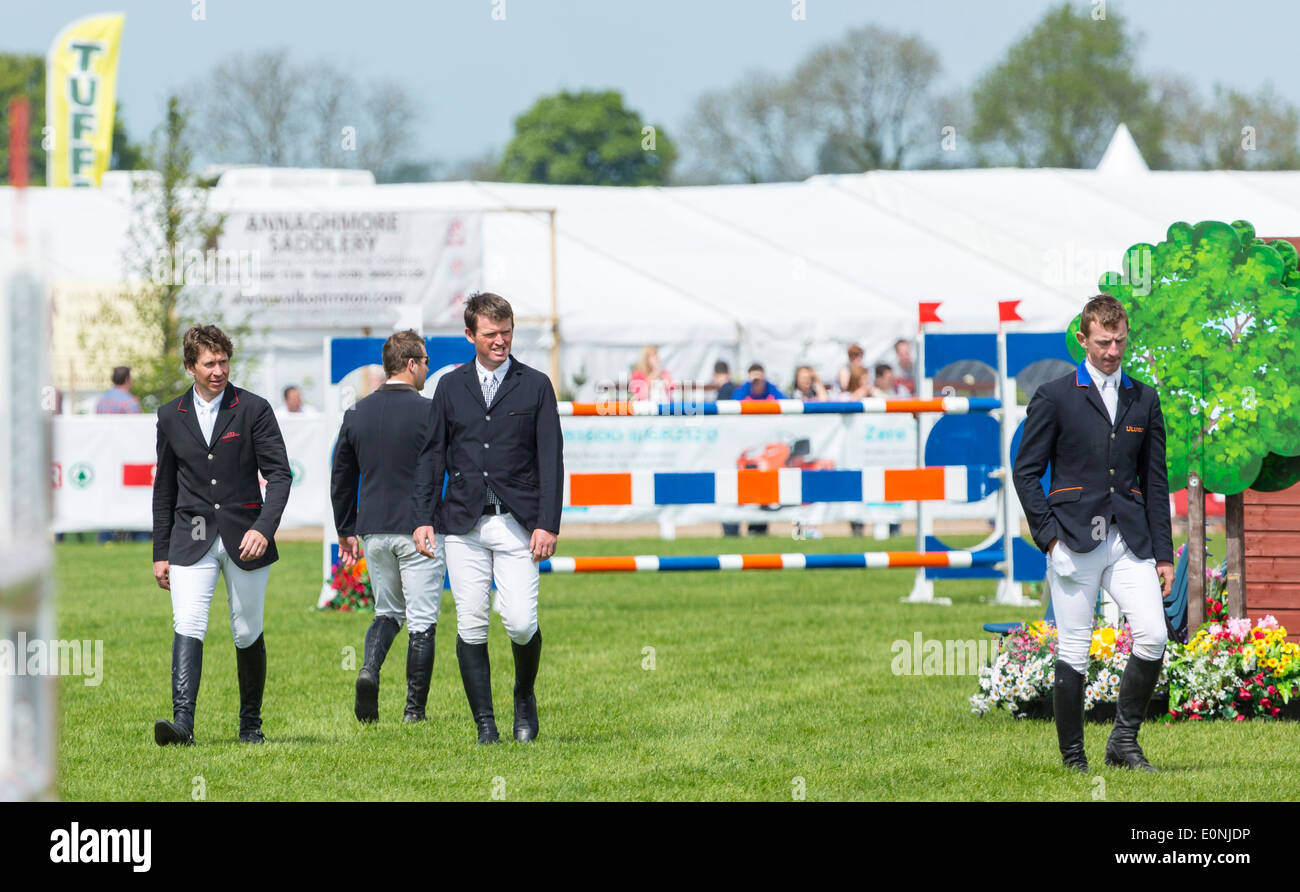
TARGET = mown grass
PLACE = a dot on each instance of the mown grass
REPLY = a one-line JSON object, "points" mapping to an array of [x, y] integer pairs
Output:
{"points": [[764, 686]]}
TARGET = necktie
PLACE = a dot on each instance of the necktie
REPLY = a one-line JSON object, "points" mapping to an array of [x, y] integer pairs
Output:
{"points": [[489, 385], [1109, 396]]}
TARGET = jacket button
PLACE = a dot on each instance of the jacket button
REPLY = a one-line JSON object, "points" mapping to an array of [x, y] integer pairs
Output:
{"points": [[485, 445], [214, 481], [485, 474], [487, 417], [217, 506], [1112, 470], [209, 456], [1112, 489], [1112, 435]]}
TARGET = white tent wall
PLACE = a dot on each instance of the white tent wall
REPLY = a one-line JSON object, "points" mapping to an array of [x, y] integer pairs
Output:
{"points": [[779, 273]]}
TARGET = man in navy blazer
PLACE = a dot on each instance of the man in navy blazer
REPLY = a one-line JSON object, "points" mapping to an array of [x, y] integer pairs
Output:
{"points": [[372, 488], [494, 432], [1104, 522], [209, 518]]}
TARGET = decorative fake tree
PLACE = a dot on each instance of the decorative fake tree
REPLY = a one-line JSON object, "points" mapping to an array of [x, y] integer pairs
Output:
{"points": [[1214, 325]]}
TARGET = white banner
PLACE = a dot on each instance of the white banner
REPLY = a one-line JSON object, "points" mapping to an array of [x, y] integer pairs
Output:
{"points": [[347, 268], [103, 465]]}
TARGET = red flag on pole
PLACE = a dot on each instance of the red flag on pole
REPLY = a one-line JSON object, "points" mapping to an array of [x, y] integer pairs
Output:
{"points": [[930, 312], [18, 125], [1007, 311]]}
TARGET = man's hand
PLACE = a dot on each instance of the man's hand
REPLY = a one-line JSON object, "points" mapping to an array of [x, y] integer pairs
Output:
{"points": [[1051, 545], [542, 545], [252, 546], [162, 574], [424, 541], [347, 550], [1165, 571]]}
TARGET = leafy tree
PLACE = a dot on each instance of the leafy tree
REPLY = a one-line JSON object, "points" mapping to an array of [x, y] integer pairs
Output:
{"points": [[754, 132], [24, 75], [1234, 131], [1059, 93], [867, 96], [1214, 316], [589, 139]]}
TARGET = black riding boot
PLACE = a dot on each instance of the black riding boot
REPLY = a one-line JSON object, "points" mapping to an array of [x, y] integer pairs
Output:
{"points": [[476, 673], [251, 665], [187, 667], [379, 638], [1067, 708], [527, 657], [1135, 688], [419, 669]]}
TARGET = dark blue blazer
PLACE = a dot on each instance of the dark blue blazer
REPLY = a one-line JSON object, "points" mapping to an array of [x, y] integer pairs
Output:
{"points": [[516, 446], [1100, 470], [378, 445], [218, 483]]}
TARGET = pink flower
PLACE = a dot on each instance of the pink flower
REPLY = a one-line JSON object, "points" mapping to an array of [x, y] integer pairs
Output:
{"points": [[1194, 716], [1268, 622], [1243, 694], [1239, 718], [1275, 711], [1238, 627], [1215, 630], [1272, 690]]}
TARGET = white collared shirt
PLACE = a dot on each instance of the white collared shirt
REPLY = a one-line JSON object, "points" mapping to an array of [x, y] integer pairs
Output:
{"points": [[499, 372], [206, 413], [1108, 385]]}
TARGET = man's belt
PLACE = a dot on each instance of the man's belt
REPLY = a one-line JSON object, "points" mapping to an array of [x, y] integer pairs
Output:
{"points": [[491, 508]]}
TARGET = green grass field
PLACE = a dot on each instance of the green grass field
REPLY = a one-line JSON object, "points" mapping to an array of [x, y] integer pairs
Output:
{"points": [[764, 686]]}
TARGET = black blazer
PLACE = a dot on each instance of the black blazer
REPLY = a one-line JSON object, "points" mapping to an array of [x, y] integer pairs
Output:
{"points": [[516, 445], [379, 442], [1100, 470], [218, 483]]}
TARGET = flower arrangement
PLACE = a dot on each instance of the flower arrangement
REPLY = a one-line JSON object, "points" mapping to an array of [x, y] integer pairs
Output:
{"points": [[351, 586], [1234, 670], [1216, 588], [1024, 670]]}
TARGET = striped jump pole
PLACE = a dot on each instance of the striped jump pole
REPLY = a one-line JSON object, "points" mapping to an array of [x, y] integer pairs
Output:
{"points": [[868, 560], [947, 405], [783, 486]]}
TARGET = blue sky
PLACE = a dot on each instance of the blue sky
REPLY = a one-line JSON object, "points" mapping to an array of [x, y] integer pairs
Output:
{"points": [[474, 74]]}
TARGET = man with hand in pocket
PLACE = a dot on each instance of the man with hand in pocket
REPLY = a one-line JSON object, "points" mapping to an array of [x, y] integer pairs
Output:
{"points": [[494, 431], [1104, 522]]}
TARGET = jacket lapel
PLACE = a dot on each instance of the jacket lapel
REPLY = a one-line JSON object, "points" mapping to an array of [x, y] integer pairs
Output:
{"points": [[471, 382], [513, 374], [1127, 397], [226, 414], [190, 419], [1084, 380]]}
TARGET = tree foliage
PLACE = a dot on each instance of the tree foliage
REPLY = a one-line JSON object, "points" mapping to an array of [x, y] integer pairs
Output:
{"points": [[589, 139], [1234, 130], [1214, 325], [1059, 93]]}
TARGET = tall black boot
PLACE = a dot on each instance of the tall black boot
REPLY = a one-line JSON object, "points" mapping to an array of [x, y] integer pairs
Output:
{"points": [[476, 673], [250, 662], [527, 657], [1067, 708], [419, 669], [379, 638], [187, 668], [1135, 688]]}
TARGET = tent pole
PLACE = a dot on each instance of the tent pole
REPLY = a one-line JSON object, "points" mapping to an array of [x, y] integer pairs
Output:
{"points": [[555, 314]]}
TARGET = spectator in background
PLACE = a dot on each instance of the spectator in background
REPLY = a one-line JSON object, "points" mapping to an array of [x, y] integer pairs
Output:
{"points": [[853, 379], [293, 403], [650, 381], [118, 400], [808, 386], [722, 382], [757, 387], [906, 376], [885, 385]]}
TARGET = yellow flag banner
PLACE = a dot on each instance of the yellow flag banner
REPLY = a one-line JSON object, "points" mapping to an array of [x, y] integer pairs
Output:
{"points": [[80, 89]]}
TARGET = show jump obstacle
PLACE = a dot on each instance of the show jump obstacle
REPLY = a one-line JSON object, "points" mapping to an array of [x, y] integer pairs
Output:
{"points": [[965, 447]]}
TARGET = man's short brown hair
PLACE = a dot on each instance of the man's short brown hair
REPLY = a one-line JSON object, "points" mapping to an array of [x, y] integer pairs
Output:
{"points": [[400, 347], [1105, 310], [485, 303], [205, 337]]}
